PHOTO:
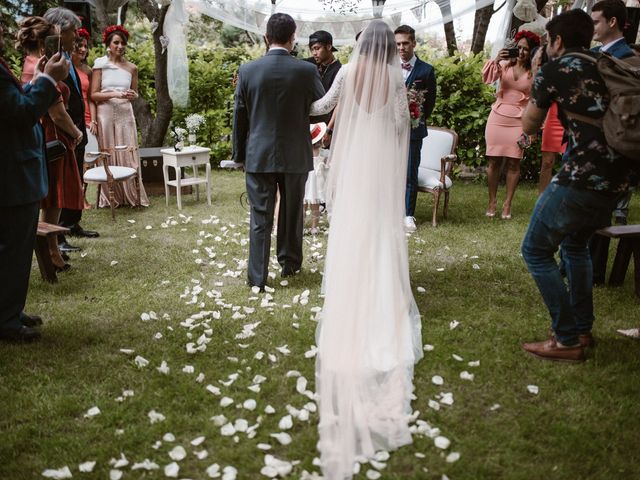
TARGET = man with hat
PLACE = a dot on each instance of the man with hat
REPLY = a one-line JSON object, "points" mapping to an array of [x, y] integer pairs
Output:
{"points": [[321, 46]]}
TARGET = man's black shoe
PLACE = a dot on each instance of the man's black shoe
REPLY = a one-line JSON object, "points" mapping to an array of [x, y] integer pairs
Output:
{"points": [[31, 320], [289, 271], [22, 334], [78, 231], [66, 247]]}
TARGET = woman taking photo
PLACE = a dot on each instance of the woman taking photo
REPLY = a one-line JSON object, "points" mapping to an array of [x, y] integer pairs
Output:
{"points": [[503, 134], [79, 59], [65, 185], [114, 85]]}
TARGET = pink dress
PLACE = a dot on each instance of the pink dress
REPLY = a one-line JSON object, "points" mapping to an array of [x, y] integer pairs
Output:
{"points": [[504, 125]]}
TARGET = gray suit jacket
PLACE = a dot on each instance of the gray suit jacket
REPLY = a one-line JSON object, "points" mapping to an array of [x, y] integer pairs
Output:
{"points": [[271, 119]]}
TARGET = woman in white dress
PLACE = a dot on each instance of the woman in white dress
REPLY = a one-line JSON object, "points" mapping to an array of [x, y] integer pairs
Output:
{"points": [[369, 335], [114, 85]]}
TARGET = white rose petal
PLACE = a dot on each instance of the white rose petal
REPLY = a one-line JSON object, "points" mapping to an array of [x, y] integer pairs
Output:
{"points": [[87, 467], [453, 324], [533, 389], [227, 430], [198, 441], [249, 404], [213, 470], [442, 442], [212, 389], [141, 362], [421, 289], [146, 464], [226, 401], [282, 437], [453, 457], [269, 409], [229, 473], [169, 437], [285, 423], [373, 475], [92, 412], [457, 358], [155, 416], [437, 380], [58, 474], [115, 474], [171, 470], [466, 375], [177, 453], [427, 347]]}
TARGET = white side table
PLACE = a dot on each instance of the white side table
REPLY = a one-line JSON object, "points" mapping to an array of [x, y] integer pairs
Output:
{"points": [[187, 157]]}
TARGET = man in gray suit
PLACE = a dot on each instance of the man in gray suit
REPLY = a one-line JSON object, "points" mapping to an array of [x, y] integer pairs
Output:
{"points": [[271, 138]]}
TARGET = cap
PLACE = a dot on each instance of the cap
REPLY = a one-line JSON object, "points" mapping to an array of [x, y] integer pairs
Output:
{"points": [[322, 36]]}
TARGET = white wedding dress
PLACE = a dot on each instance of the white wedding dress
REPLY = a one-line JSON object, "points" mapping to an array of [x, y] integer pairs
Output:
{"points": [[369, 335]]}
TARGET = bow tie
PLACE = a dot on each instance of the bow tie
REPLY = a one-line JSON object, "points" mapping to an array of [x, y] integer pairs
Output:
{"points": [[406, 66]]}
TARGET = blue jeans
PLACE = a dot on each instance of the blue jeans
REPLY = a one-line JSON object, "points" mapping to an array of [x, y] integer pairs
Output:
{"points": [[566, 217]]}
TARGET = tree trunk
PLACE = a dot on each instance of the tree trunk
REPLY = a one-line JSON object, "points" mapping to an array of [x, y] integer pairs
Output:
{"points": [[154, 128], [480, 27], [449, 30]]}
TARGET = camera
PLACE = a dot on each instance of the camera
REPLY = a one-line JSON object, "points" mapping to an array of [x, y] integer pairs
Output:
{"points": [[52, 45], [513, 52]]}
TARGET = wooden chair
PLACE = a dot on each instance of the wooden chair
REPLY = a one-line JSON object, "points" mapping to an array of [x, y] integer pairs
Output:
{"points": [[108, 175], [47, 268], [436, 164], [628, 246]]}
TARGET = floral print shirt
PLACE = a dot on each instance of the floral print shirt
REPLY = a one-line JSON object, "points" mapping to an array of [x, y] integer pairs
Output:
{"points": [[575, 84]]}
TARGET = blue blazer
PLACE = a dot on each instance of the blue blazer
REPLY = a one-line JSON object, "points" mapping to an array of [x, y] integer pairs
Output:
{"points": [[423, 77], [620, 49], [23, 168]]}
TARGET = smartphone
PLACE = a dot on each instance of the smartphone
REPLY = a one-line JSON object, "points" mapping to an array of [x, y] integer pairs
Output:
{"points": [[52, 45], [513, 52]]}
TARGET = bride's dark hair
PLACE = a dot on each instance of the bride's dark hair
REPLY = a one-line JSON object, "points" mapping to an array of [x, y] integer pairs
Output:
{"points": [[377, 41]]}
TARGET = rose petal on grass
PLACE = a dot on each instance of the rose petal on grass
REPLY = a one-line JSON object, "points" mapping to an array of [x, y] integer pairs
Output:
{"points": [[213, 470], [457, 358], [140, 361], [155, 417], [178, 453], [453, 324], [226, 401], [285, 423], [172, 470], [441, 442], [115, 474], [87, 467], [58, 474], [229, 473], [92, 412], [437, 380], [453, 457], [466, 375], [282, 437], [533, 389]]}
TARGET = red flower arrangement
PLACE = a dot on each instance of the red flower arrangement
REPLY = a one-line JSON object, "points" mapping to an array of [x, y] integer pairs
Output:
{"points": [[415, 99], [82, 33], [526, 33], [114, 28]]}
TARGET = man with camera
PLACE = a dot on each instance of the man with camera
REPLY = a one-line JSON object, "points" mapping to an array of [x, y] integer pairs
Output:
{"points": [[581, 197], [23, 183]]}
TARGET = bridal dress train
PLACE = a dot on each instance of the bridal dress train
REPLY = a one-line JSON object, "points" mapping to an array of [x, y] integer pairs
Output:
{"points": [[369, 335]]}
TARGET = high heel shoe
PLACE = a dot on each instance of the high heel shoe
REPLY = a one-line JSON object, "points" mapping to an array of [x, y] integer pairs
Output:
{"points": [[506, 213], [489, 214]]}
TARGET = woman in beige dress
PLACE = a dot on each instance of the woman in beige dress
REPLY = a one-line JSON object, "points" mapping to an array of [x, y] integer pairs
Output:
{"points": [[114, 85]]}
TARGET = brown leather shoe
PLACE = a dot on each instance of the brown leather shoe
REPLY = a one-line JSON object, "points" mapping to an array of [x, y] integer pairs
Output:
{"points": [[586, 340], [550, 350]]}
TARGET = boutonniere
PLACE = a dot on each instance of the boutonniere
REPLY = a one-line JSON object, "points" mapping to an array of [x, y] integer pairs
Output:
{"points": [[415, 98]]}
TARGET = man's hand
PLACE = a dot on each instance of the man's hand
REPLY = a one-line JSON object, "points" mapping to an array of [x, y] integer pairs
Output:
{"points": [[57, 67]]}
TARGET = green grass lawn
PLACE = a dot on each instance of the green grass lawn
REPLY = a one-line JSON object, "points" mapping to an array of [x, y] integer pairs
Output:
{"points": [[583, 423]]}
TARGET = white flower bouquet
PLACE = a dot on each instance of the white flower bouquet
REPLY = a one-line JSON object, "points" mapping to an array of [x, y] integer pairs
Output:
{"points": [[193, 122]]}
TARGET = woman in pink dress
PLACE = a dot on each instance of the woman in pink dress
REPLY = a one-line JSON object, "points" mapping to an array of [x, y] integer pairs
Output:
{"points": [[504, 126], [114, 85]]}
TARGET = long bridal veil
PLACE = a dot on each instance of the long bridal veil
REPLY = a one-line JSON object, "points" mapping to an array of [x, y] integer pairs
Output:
{"points": [[369, 332]]}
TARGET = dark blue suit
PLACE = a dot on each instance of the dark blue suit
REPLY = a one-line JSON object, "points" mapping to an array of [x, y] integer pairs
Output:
{"points": [[23, 183], [422, 77]]}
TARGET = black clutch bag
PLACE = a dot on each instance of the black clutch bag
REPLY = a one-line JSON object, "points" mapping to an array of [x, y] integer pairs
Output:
{"points": [[55, 150]]}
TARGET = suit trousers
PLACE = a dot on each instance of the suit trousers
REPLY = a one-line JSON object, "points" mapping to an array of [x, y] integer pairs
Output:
{"points": [[17, 239], [261, 191], [71, 218], [411, 194]]}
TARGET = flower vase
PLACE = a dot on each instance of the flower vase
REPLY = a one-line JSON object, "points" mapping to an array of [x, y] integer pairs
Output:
{"points": [[192, 139]]}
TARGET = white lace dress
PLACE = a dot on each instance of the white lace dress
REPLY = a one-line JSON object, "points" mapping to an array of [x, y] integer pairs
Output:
{"points": [[369, 335]]}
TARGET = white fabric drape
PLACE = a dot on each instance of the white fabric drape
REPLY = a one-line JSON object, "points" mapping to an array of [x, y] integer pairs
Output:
{"points": [[177, 62]]}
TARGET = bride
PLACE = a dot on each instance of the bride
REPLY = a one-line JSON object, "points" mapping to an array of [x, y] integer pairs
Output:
{"points": [[369, 333]]}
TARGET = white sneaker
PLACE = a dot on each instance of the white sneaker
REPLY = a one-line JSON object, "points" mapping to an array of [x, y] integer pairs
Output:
{"points": [[409, 224]]}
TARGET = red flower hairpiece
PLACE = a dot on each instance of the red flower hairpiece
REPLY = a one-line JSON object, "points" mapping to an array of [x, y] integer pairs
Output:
{"points": [[82, 32], [526, 33], [114, 28]]}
